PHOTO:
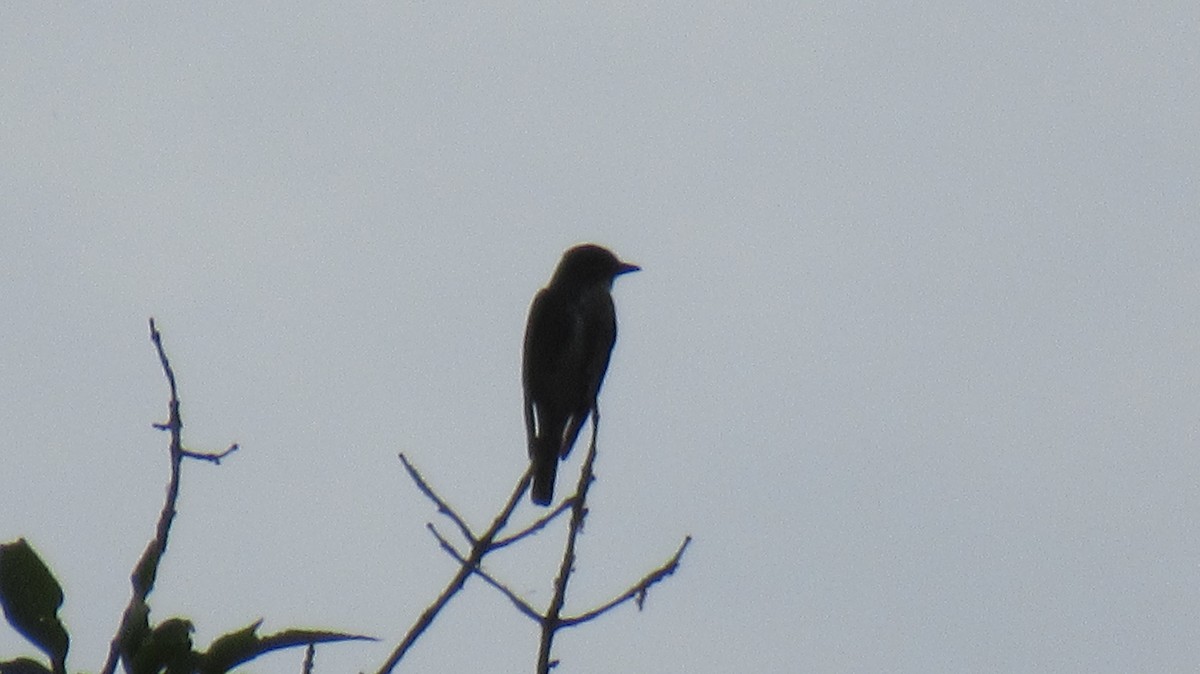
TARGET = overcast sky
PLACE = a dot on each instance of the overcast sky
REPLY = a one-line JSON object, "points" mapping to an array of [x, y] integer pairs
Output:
{"points": [[913, 355]]}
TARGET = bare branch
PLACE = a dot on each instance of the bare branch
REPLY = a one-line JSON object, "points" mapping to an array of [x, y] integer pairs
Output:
{"points": [[310, 656], [156, 337], [521, 604], [550, 622], [213, 458], [443, 507], [537, 526], [134, 620], [445, 544], [637, 591], [481, 547]]}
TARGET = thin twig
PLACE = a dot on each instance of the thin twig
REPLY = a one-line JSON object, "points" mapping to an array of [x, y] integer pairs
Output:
{"points": [[521, 605], [441, 504], [310, 657], [537, 526], [213, 457], [479, 548], [638, 590], [146, 571], [135, 618], [156, 337]]}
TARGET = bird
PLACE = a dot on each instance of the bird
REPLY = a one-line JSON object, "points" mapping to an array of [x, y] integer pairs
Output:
{"points": [[569, 338]]}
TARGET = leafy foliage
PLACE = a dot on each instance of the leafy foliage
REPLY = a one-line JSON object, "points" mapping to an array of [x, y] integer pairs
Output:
{"points": [[31, 597]]}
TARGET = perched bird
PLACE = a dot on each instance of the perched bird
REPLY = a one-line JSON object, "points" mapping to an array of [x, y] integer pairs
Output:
{"points": [[568, 339]]}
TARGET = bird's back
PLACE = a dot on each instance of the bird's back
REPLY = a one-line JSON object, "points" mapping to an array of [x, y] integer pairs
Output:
{"points": [[568, 342]]}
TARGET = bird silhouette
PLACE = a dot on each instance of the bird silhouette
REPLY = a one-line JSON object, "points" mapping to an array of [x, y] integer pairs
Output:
{"points": [[568, 340]]}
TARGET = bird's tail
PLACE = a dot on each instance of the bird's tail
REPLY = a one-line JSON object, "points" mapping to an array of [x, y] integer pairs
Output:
{"points": [[545, 467]]}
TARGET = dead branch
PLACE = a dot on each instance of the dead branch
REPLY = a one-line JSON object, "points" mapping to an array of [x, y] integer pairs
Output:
{"points": [[538, 524], [550, 621], [481, 546], [521, 605], [443, 507], [135, 619], [638, 589]]}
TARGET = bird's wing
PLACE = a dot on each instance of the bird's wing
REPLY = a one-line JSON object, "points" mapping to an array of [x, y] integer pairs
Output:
{"points": [[548, 337], [601, 334], [593, 337]]}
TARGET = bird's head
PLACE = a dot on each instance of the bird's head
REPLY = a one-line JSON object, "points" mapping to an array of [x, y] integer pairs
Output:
{"points": [[587, 264]]}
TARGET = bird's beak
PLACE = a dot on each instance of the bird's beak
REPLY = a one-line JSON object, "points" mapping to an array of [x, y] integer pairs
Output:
{"points": [[625, 268]]}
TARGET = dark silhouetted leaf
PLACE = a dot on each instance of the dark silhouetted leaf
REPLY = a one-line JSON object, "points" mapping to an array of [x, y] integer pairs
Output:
{"points": [[230, 650], [30, 597], [23, 666], [168, 649]]}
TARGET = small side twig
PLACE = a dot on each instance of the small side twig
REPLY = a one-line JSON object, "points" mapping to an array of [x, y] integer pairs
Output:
{"points": [[310, 657], [481, 546], [211, 457], [521, 604], [638, 590], [441, 504], [537, 525]]}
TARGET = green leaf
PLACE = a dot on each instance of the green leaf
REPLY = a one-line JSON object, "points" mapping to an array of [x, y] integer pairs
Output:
{"points": [[230, 650], [31, 597], [23, 666], [167, 649]]}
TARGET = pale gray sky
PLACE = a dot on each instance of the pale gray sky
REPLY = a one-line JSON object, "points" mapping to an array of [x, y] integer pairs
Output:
{"points": [[913, 355]]}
